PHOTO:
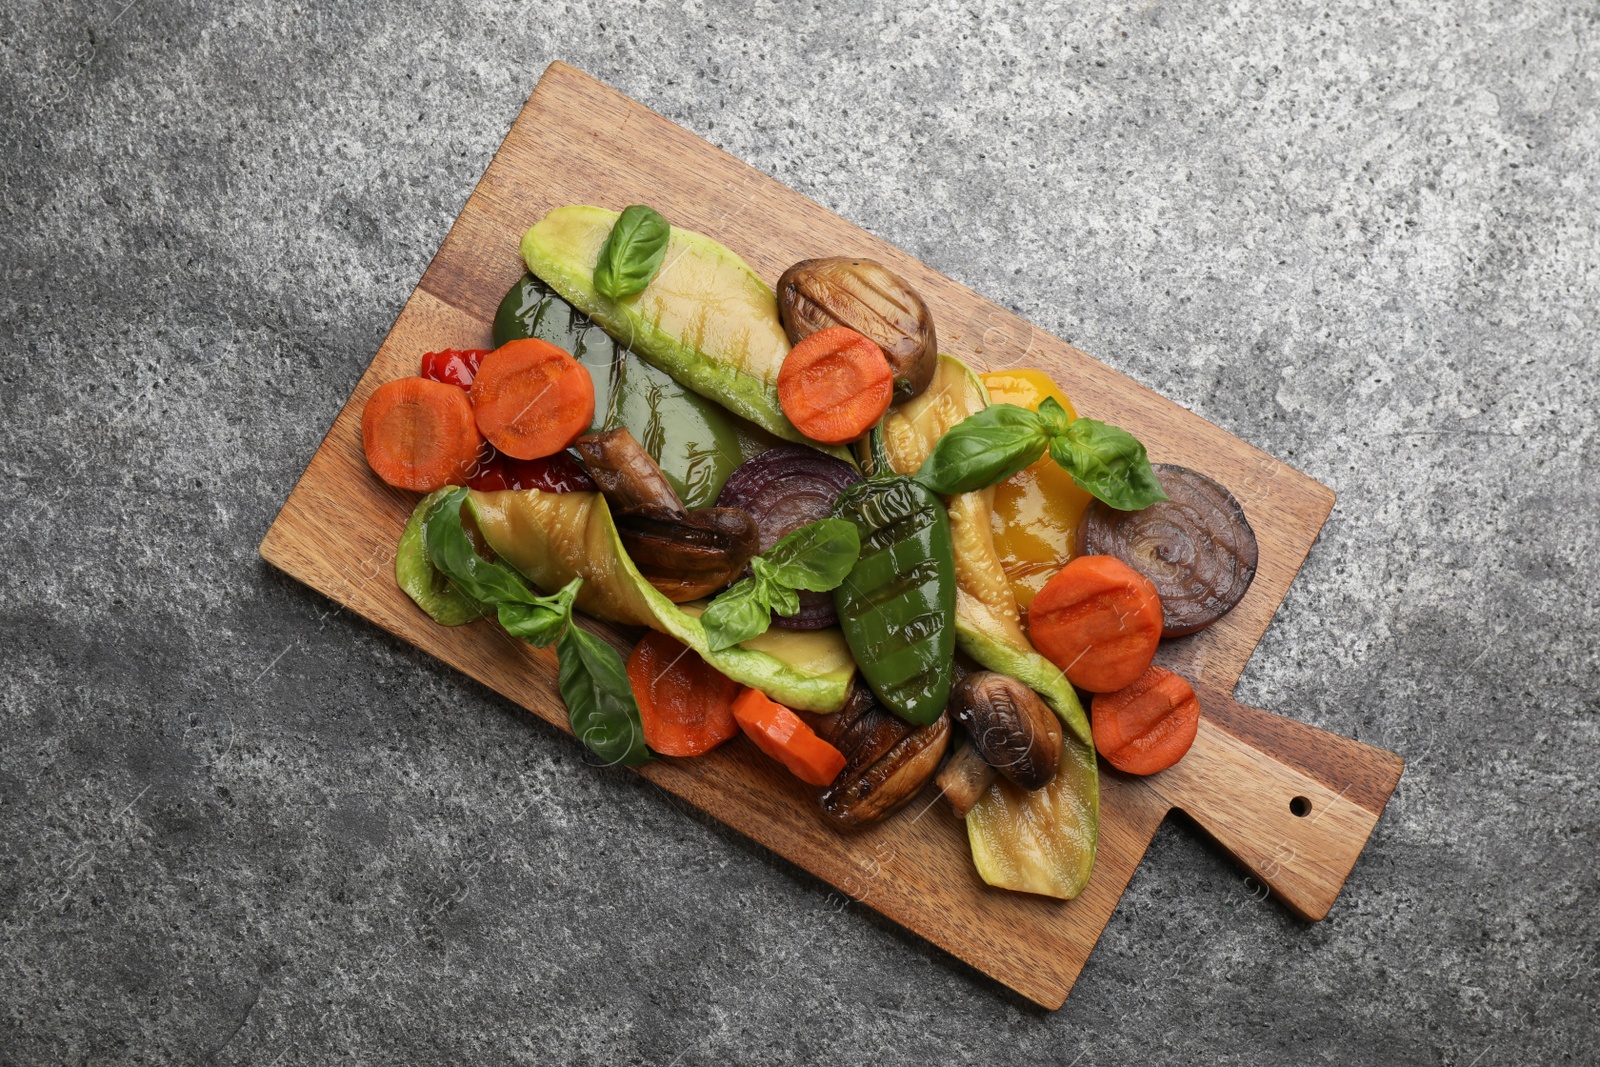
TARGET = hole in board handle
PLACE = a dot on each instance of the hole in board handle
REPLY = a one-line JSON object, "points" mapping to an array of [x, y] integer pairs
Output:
{"points": [[1300, 806]]}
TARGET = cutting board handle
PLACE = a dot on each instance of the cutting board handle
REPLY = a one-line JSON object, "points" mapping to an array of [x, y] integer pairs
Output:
{"points": [[1293, 804]]}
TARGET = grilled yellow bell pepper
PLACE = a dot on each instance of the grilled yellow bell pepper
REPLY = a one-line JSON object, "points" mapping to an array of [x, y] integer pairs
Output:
{"points": [[1038, 510]]}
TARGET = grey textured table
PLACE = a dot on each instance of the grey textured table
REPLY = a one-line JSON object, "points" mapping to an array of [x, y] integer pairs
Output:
{"points": [[241, 827]]}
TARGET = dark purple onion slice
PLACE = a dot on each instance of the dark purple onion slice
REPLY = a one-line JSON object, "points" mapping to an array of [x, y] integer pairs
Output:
{"points": [[1197, 548], [784, 488]]}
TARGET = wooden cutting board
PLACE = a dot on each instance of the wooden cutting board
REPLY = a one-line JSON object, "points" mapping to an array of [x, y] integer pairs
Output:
{"points": [[1293, 804]]}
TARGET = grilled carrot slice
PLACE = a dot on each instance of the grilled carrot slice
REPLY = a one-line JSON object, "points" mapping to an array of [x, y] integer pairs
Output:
{"points": [[420, 434], [781, 734], [1099, 620], [686, 705], [531, 398], [1148, 726], [835, 385]]}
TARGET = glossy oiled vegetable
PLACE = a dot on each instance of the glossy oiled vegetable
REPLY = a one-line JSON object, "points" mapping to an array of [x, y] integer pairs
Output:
{"points": [[988, 628], [835, 385], [897, 606], [965, 778], [625, 472], [685, 704], [1037, 511], [705, 318], [593, 683], [1010, 727], [531, 398], [988, 624], [696, 442], [868, 297], [783, 489], [784, 736], [688, 555], [1196, 548], [532, 309], [552, 538], [559, 473], [1146, 727], [422, 581], [887, 760], [1099, 620], [420, 434], [1040, 841]]}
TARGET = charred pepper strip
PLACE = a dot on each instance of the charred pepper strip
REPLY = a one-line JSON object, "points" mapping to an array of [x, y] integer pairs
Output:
{"points": [[897, 608]]}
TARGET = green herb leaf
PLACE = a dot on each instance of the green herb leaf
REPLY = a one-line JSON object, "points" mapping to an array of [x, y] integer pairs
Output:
{"points": [[1054, 416], [1109, 462], [424, 583], [592, 678], [600, 703], [536, 619], [816, 556], [452, 552], [986, 447], [540, 621], [781, 599], [739, 613], [632, 253]]}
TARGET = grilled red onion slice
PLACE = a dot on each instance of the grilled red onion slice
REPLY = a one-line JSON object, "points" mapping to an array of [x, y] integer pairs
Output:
{"points": [[1197, 548], [784, 488]]}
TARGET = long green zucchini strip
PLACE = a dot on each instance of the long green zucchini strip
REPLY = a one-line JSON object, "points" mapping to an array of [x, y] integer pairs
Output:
{"points": [[554, 537], [707, 319]]}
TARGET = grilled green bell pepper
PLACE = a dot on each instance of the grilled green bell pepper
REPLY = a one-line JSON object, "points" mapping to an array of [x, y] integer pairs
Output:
{"points": [[697, 443], [1035, 842], [897, 607]]}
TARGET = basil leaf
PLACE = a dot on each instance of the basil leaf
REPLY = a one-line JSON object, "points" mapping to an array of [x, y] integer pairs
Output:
{"points": [[1109, 462], [453, 553], [632, 253], [1054, 416], [782, 599], [600, 703], [523, 612], [739, 613], [816, 556], [540, 622], [592, 678], [986, 447]]}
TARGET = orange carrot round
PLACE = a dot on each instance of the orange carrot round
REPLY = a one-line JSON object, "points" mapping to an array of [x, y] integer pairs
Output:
{"points": [[835, 385], [1148, 726], [685, 704], [420, 434], [531, 398], [1099, 620], [781, 734]]}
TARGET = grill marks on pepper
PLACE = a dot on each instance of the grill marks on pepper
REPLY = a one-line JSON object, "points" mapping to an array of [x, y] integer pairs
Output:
{"points": [[891, 517]]}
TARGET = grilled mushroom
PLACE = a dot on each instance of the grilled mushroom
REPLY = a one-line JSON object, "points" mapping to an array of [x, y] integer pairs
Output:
{"points": [[684, 554], [688, 555], [625, 473], [1010, 726], [887, 760], [964, 778]]}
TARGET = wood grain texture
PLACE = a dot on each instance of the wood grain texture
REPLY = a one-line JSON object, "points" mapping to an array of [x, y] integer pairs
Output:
{"points": [[578, 141]]}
